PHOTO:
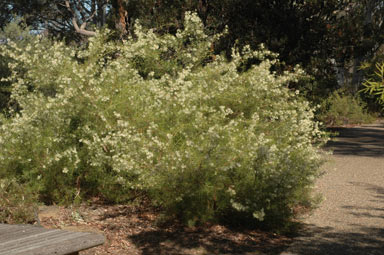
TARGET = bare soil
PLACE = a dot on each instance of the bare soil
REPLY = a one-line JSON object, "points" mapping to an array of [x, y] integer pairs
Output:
{"points": [[134, 230]]}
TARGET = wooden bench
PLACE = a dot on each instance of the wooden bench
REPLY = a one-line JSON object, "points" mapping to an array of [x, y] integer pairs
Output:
{"points": [[33, 240]]}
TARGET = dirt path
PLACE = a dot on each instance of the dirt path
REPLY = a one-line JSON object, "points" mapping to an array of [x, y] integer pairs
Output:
{"points": [[351, 219]]}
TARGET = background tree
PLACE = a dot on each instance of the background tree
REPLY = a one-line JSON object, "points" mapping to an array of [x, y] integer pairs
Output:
{"points": [[330, 39], [5, 13], [64, 18], [356, 35]]}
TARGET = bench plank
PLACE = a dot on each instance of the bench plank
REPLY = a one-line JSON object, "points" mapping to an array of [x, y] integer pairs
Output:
{"points": [[33, 240]]}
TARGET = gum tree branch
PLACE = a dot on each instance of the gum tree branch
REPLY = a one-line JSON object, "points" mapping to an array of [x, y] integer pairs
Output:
{"points": [[81, 29]]}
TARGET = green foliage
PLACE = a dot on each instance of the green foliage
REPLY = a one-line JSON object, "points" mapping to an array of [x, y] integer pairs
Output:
{"points": [[17, 32], [375, 84], [342, 108], [18, 204], [346, 32], [158, 115]]}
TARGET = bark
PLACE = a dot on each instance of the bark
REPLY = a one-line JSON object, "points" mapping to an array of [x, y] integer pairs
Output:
{"points": [[102, 13], [122, 15]]}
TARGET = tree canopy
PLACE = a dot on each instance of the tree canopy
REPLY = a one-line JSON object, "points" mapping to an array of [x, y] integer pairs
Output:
{"points": [[330, 39]]}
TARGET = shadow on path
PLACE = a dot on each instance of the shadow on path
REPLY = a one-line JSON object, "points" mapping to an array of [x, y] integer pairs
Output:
{"points": [[365, 141], [203, 241], [326, 241], [363, 240], [354, 226]]}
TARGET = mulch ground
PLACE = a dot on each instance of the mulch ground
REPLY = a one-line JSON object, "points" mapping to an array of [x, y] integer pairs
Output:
{"points": [[135, 230]]}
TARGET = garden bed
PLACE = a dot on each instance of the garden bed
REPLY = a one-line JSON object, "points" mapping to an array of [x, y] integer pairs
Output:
{"points": [[134, 230]]}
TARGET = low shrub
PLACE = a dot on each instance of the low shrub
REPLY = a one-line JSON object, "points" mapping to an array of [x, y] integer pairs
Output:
{"points": [[341, 108], [18, 204], [159, 115]]}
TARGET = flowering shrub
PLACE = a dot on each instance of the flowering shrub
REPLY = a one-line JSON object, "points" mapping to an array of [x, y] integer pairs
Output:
{"points": [[159, 115]]}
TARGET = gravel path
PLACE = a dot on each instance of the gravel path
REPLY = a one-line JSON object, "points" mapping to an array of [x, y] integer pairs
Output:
{"points": [[351, 218]]}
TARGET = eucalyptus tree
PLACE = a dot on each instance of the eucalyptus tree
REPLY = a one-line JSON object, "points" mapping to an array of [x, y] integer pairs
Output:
{"points": [[357, 34], [65, 18], [5, 13], [329, 38]]}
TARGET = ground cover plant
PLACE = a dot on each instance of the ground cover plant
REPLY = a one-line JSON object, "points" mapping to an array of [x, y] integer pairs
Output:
{"points": [[203, 136], [18, 204], [343, 108]]}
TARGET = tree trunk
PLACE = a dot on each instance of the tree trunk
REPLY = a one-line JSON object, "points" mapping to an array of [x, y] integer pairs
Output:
{"points": [[121, 16]]}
